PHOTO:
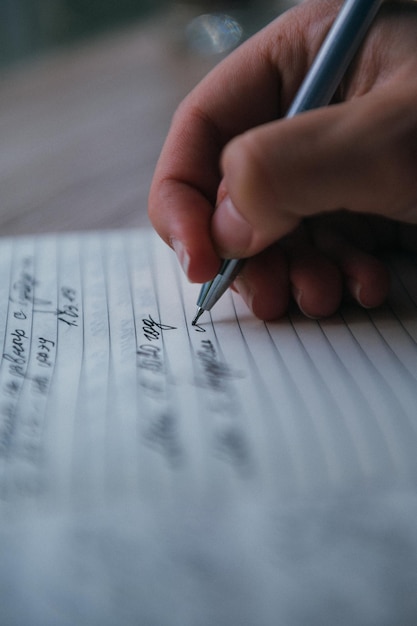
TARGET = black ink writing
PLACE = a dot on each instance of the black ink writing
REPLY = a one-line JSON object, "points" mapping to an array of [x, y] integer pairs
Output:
{"points": [[198, 328], [16, 367], [12, 388], [23, 290], [162, 435], [19, 340], [7, 414], [69, 294], [231, 444], [24, 287], [152, 330], [19, 315], [40, 384], [215, 372], [150, 358], [68, 314], [45, 351], [152, 372], [17, 358]]}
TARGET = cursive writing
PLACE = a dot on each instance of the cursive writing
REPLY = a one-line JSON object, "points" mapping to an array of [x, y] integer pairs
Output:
{"points": [[23, 290], [17, 356], [45, 351], [162, 435], [151, 370], [7, 415], [150, 358], [231, 444], [215, 372], [152, 330]]}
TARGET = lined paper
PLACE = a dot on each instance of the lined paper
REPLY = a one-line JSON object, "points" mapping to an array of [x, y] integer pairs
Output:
{"points": [[152, 472]]}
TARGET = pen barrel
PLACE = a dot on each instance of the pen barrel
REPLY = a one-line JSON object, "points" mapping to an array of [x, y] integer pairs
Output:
{"points": [[335, 55], [213, 290], [317, 90]]}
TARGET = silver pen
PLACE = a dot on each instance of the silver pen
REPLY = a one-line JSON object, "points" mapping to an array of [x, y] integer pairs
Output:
{"points": [[317, 90]]}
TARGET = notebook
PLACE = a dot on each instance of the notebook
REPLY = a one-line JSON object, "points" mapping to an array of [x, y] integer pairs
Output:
{"points": [[153, 473]]}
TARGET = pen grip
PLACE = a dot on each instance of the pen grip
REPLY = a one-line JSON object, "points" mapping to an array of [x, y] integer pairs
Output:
{"points": [[213, 290]]}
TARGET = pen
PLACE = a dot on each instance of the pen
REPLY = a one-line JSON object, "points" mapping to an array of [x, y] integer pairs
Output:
{"points": [[317, 89]]}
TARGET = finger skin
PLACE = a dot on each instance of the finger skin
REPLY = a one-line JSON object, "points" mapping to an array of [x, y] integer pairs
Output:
{"points": [[365, 276], [234, 177], [319, 265], [253, 86], [264, 284], [360, 154], [274, 180]]}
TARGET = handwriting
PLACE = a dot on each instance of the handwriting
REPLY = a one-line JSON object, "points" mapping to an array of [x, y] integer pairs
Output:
{"points": [[68, 293], [198, 328], [43, 355], [215, 372], [16, 367], [18, 357], [231, 444], [151, 365], [23, 290], [152, 330], [40, 384], [19, 339], [68, 314], [6, 427], [150, 358], [19, 315], [162, 434], [12, 388]]}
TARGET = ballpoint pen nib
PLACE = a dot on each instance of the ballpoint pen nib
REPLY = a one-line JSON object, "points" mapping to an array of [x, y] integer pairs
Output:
{"points": [[199, 313]]}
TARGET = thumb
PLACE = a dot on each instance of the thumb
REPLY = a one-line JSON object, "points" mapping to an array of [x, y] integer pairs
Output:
{"points": [[358, 156]]}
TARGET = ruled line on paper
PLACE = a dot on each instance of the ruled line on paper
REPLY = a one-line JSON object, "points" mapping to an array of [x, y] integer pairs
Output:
{"points": [[379, 423], [17, 472], [121, 444], [288, 420], [64, 391], [89, 412], [343, 446], [334, 398], [387, 367], [326, 394], [10, 381], [26, 465]]}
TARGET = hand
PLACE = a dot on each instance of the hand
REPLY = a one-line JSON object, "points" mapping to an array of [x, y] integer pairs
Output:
{"points": [[310, 200]]}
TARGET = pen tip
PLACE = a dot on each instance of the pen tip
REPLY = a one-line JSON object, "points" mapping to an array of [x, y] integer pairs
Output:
{"points": [[199, 313]]}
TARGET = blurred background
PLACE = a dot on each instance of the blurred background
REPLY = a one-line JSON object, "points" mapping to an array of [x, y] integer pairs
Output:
{"points": [[28, 27], [87, 92]]}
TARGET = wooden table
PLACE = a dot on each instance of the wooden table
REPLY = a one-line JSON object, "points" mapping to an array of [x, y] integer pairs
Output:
{"points": [[81, 129]]}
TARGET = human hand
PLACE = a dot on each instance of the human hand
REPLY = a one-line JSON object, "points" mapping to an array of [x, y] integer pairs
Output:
{"points": [[311, 199]]}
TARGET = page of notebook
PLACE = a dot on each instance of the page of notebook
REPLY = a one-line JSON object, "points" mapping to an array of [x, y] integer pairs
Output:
{"points": [[148, 467]]}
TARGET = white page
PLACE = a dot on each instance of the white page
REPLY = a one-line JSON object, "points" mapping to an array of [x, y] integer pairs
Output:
{"points": [[237, 472]]}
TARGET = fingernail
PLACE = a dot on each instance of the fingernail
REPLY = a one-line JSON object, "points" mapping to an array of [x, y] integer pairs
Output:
{"points": [[231, 231], [244, 291], [182, 255], [355, 289], [298, 297]]}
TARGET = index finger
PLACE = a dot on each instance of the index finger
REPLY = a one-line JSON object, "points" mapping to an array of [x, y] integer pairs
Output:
{"points": [[252, 86]]}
